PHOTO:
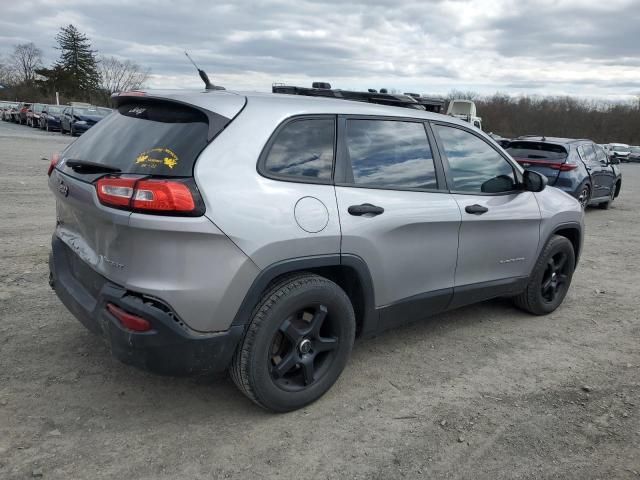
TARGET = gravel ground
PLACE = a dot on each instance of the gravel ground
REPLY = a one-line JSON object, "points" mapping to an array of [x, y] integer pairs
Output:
{"points": [[484, 392]]}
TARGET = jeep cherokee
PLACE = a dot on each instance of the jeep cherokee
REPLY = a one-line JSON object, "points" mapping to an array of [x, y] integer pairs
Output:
{"points": [[262, 233]]}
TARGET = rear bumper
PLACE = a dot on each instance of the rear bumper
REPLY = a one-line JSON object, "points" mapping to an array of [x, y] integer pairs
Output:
{"points": [[169, 348]]}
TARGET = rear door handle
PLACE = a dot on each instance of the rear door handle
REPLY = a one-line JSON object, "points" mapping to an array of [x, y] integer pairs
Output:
{"points": [[358, 210], [476, 209]]}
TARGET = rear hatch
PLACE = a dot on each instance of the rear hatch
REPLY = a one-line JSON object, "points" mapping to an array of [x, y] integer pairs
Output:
{"points": [[138, 159], [548, 159]]}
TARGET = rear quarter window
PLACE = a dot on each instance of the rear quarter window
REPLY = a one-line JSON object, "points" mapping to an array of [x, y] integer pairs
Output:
{"points": [[301, 149], [160, 138]]}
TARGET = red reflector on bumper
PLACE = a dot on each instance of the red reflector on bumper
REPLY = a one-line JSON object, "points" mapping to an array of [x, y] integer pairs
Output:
{"points": [[129, 320]]}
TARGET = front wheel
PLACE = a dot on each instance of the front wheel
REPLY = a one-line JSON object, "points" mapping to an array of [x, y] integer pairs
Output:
{"points": [[297, 344], [551, 277]]}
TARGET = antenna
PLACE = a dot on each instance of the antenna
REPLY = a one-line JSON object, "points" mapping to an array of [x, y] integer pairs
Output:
{"points": [[203, 75]]}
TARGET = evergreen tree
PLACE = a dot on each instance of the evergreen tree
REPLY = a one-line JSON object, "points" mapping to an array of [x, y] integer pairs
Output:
{"points": [[77, 59]]}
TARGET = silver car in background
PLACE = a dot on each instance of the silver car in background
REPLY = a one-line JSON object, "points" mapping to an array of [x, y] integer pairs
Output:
{"points": [[262, 233]]}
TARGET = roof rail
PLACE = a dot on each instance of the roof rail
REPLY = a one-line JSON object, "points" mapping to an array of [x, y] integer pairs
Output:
{"points": [[323, 89]]}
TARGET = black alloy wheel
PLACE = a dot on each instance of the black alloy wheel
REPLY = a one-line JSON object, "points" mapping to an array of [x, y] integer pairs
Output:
{"points": [[297, 342], [302, 349], [550, 279], [555, 277]]}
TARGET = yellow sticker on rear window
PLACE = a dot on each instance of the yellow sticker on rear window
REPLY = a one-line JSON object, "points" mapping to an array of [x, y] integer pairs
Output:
{"points": [[157, 157]]}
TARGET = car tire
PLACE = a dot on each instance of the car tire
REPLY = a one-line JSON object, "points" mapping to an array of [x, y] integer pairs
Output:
{"points": [[72, 132], [46, 126], [584, 196], [607, 204], [297, 343], [550, 279]]}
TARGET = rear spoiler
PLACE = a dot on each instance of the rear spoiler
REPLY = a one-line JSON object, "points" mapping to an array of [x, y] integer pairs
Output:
{"points": [[217, 122]]}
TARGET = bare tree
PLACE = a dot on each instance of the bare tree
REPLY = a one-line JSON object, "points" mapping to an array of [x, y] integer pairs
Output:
{"points": [[119, 76], [6, 73], [24, 61]]}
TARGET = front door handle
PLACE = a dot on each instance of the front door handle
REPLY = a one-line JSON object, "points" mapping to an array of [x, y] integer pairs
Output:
{"points": [[476, 209], [365, 208]]}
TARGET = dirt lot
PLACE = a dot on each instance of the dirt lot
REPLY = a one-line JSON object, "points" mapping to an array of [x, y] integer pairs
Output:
{"points": [[482, 392]]}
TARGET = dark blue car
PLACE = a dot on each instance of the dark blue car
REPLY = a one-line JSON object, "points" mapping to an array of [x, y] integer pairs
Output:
{"points": [[78, 119], [579, 167], [50, 117]]}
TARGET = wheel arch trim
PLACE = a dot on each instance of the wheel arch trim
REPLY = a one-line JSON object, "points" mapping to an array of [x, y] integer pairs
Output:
{"points": [[272, 272]]}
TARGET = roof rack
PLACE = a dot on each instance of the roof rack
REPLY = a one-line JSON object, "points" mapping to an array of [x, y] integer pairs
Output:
{"points": [[323, 89]]}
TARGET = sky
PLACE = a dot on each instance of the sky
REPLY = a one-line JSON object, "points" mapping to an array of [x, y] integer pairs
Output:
{"points": [[577, 47]]}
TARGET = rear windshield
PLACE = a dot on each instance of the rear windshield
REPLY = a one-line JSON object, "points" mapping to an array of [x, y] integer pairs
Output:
{"points": [[145, 138], [537, 151]]}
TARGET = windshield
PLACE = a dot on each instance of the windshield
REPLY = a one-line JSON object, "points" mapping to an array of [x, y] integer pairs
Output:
{"points": [[54, 109], [537, 151]]}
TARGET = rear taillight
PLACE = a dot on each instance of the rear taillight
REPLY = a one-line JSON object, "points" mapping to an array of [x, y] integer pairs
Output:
{"points": [[563, 167], [55, 158], [150, 195], [129, 320]]}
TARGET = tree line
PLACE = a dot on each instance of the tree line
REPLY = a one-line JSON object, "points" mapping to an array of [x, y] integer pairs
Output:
{"points": [[557, 116], [79, 74]]}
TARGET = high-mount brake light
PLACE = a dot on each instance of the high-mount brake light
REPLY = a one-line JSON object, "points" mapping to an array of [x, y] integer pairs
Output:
{"points": [[150, 195], [55, 158]]}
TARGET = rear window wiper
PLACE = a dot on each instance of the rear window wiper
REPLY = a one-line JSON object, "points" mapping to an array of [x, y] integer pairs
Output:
{"points": [[84, 166]]}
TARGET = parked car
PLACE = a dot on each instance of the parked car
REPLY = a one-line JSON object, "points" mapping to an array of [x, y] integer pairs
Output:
{"points": [[78, 119], [50, 117], [6, 110], [500, 140], [620, 151], [20, 116], [33, 115], [634, 153], [579, 167], [263, 232]]}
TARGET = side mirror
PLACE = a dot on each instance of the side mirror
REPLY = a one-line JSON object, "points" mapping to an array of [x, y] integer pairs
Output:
{"points": [[534, 181], [614, 160]]}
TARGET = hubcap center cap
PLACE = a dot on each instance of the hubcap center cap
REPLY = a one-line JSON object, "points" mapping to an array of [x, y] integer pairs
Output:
{"points": [[305, 346]]}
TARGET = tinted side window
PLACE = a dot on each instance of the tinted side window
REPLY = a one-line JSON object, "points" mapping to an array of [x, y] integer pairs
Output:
{"points": [[474, 165], [387, 153], [303, 148]]}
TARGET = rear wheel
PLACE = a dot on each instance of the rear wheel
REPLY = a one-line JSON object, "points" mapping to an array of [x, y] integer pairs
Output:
{"points": [[297, 344], [584, 196], [551, 277], [612, 196]]}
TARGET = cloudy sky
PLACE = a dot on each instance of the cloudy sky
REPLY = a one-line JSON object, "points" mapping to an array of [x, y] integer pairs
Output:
{"points": [[581, 47]]}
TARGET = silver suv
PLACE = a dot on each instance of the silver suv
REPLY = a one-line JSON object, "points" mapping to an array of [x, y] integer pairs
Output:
{"points": [[262, 233]]}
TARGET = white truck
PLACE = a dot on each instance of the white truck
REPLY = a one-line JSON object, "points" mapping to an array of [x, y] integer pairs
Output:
{"points": [[465, 110]]}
